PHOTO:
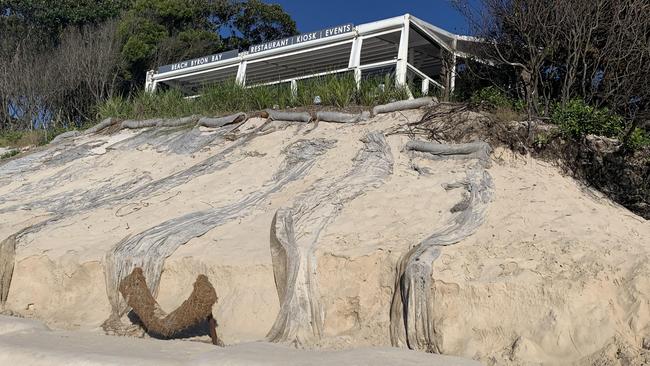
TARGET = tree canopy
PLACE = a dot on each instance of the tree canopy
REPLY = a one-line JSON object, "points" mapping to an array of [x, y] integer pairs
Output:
{"points": [[156, 32], [49, 48], [151, 32], [54, 15], [596, 51]]}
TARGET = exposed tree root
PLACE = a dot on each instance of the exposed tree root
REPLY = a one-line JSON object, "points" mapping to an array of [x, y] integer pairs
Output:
{"points": [[108, 192], [412, 311], [294, 236], [197, 308], [7, 254]]}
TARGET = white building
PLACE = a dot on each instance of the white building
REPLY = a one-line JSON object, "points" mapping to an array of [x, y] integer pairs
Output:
{"points": [[416, 52]]}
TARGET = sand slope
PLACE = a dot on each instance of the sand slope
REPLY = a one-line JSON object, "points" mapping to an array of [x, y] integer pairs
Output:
{"points": [[556, 274]]}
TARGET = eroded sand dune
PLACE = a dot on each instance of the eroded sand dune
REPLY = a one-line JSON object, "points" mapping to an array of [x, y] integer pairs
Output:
{"points": [[334, 237]]}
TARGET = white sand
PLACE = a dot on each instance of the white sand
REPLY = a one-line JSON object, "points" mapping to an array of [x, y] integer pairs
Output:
{"points": [[29, 343], [555, 275]]}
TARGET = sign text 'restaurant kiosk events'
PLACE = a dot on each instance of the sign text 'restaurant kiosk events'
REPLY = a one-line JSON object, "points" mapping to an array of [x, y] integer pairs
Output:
{"points": [[329, 32]]}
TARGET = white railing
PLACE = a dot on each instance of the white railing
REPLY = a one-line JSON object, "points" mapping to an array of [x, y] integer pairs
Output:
{"points": [[424, 77]]}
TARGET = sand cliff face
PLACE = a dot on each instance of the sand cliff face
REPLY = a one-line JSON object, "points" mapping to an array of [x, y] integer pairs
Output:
{"points": [[552, 273]]}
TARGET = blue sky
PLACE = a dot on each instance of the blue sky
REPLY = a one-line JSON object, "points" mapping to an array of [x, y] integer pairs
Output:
{"points": [[313, 15]]}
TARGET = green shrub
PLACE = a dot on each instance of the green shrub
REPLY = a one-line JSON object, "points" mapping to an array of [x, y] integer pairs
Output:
{"points": [[10, 138], [164, 104], [116, 107], [576, 119], [520, 106], [338, 90], [227, 96], [491, 98], [380, 90], [267, 96], [9, 154], [638, 139], [334, 90], [34, 137]]}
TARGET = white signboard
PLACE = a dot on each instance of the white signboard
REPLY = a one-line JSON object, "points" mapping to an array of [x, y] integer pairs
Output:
{"points": [[325, 33]]}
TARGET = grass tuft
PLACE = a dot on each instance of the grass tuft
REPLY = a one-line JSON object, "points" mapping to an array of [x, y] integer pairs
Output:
{"points": [[226, 97]]}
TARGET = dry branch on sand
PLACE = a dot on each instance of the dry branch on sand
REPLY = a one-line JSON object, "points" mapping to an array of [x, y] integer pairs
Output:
{"points": [[197, 308]]}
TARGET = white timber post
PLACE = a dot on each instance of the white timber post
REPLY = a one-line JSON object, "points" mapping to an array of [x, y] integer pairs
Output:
{"points": [[355, 59], [452, 82], [452, 79], [241, 73], [150, 84], [294, 88], [402, 55], [425, 87]]}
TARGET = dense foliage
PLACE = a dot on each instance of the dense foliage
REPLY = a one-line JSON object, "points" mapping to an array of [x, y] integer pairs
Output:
{"points": [[490, 98], [60, 59], [587, 56], [52, 16], [575, 119]]}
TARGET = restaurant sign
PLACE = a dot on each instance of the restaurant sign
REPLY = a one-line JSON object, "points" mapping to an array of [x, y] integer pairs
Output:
{"points": [[325, 33]]}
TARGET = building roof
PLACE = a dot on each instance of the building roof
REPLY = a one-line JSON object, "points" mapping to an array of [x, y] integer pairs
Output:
{"points": [[297, 56]]}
